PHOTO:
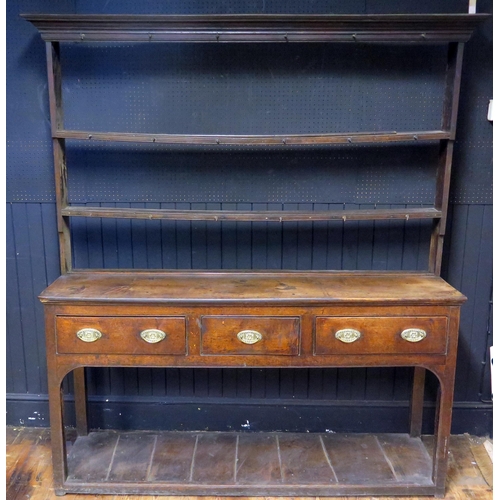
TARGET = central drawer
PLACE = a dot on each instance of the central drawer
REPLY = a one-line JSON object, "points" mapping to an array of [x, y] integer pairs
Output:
{"points": [[121, 335], [230, 335]]}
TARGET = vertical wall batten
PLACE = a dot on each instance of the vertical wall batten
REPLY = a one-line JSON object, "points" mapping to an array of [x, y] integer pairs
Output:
{"points": [[480, 296], [15, 346], [30, 335]]}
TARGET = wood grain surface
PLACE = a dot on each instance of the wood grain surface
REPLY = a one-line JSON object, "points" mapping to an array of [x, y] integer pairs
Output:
{"points": [[251, 287], [29, 469]]}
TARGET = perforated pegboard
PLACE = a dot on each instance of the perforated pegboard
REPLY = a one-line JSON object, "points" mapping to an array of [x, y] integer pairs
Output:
{"points": [[271, 88], [393, 174], [252, 88]]}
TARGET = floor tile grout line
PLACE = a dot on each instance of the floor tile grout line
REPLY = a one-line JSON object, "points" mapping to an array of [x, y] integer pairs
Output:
{"points": [[328, 459], [112, 458]]}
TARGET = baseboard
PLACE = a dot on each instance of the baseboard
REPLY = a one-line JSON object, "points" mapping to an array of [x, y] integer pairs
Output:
{"points": [[221, 414]]}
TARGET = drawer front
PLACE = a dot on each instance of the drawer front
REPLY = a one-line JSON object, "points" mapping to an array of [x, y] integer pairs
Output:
{"points": [[121, 335], [230, 335], [381, 335]]}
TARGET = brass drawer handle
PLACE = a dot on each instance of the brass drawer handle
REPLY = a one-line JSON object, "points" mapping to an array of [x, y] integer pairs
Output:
{"points": [[249, 336], [88, 334], [348, 335], [153, 336], [413, 334]]}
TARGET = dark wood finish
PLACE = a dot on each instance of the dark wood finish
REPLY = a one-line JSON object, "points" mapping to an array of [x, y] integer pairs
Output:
{"points": [[29, 472], [417, 402], [95, 455], [214, 459], [258, 140], [358, 458], [254, 215], [280, 335], [238, 463], [258, 459], [296, 313], [80, 391], [304, 460], [173, 457], [422, 28], [53, 53], [407, 456], [135, 448], [121, 335], [381, 335], [443, 178], [54, 74], [284, 305]]}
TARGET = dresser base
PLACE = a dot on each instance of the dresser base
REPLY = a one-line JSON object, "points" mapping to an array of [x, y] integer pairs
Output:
{"points": [[249, 464], [243, 320]]}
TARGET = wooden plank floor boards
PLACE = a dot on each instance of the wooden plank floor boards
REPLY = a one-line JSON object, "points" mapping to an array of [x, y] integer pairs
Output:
{"points": [[246, 458]]}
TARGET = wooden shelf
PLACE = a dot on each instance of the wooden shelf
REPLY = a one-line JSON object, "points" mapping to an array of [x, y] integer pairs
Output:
{"points": [[255, 216], [221, 463], [422, 28], [255, 140]]}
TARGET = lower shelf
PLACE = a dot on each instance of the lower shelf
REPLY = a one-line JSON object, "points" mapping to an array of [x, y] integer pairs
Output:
{"points": [[249, 464]]}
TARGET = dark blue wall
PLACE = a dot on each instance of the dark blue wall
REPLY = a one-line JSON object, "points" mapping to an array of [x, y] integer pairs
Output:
{"points": [[251, 89]]}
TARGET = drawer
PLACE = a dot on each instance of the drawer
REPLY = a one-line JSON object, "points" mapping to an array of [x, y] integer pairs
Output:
{"points": [[381, 335], [230, 335], [121, 335]]}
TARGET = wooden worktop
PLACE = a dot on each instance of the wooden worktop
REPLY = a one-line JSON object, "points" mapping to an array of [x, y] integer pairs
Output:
{"points": [[273, 288]]}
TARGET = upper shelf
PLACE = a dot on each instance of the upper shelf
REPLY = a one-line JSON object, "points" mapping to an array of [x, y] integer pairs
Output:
{"points": [[422, 28], [263, 140]]}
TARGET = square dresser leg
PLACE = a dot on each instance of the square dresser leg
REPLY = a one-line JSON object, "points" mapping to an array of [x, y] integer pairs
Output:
{"points": [[80, 388], [57, 437], [417, 402]]}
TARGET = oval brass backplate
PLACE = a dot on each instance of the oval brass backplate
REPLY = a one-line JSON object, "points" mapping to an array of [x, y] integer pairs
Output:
{"points": [[249, 336], [152, 336], [88, 334], [414, 334], [347, 335]]}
